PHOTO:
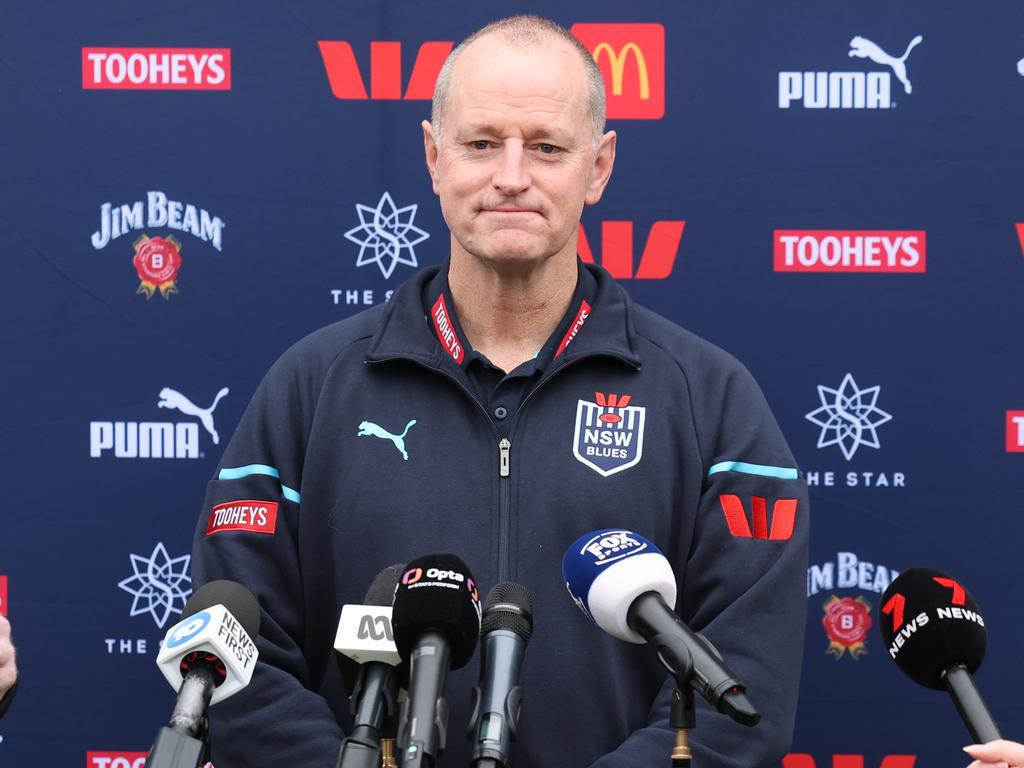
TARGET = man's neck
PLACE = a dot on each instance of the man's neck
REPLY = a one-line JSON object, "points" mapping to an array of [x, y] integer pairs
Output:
{"points": [[508, 315]]}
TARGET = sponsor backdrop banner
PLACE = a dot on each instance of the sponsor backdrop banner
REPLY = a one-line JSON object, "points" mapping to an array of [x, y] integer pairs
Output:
{"points": [[832, 192]]}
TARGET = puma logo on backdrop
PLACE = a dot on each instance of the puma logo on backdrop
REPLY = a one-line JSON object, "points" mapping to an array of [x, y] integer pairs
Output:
{"points": [[368, 428], [173, 399], [863, 48]]}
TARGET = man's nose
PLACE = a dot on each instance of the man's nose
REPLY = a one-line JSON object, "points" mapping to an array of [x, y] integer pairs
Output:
{"points": [[512, 175]]}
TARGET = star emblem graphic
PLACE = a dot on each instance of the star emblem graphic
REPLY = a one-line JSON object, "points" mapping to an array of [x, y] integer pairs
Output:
{"points": [[848, 416], [160, 586], [386, 235]]}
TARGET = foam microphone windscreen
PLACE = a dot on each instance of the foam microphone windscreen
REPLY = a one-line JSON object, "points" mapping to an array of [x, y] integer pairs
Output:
{"points": [[382, 591], [437, 593], [930, 622], [508, 606], [237, 599]]}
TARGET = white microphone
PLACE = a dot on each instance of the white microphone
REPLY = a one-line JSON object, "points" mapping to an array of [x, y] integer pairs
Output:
{"points": [[206, 657], [626, 586]]}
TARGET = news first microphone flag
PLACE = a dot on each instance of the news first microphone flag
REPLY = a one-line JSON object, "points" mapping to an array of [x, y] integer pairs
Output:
{"points": [[855, 242]]}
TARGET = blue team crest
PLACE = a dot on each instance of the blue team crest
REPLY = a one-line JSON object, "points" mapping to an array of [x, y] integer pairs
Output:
{"points": [[609, 434]]}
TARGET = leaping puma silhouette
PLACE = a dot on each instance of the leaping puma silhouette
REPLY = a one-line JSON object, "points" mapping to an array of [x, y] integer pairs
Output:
{"points": [[863, 48], [173, 399], [375, 430]]}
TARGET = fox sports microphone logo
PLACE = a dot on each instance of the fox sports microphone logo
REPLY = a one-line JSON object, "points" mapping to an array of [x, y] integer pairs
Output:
{"points": [[612, 546]]}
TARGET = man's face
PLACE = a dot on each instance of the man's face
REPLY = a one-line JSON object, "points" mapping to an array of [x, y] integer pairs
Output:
{"points": [[515, 161]]}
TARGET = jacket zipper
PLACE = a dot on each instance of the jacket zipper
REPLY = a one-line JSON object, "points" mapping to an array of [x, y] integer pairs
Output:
{"points": [[504, 455]]}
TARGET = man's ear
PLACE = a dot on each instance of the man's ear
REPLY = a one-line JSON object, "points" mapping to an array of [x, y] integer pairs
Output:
{"points": [[430, 151], [604, 160]]}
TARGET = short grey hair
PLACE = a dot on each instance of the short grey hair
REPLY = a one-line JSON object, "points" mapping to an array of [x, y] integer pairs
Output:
{"points": [[526, 31]]}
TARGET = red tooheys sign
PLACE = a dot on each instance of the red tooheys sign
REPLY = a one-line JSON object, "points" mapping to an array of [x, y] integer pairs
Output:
{"points": [[157, 261], [842, 250]]}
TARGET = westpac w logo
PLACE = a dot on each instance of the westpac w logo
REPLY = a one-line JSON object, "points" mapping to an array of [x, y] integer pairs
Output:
{"points": [[375, 628], [609, 435], [778, 528]]}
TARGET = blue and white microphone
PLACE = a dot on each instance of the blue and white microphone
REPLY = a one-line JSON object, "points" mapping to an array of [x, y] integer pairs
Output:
{"points": [[626, 586]]}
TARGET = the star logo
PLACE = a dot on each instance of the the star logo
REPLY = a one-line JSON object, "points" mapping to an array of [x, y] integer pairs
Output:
{"points": [[386, 235], [848, 416], [160, 586]]}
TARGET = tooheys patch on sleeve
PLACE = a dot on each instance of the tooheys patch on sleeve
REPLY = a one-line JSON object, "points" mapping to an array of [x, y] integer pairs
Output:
{"points": [[243, 515], [609, 435]]}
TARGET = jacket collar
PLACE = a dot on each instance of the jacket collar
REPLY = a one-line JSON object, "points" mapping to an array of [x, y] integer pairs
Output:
{"points": [[413, 328]]}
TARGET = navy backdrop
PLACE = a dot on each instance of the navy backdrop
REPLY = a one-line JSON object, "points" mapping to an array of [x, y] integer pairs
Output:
{"points": [[792, 184]]}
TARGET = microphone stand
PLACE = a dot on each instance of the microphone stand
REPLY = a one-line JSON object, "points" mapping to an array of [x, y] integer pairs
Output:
{"points": [[186, 742], [682, 719]]}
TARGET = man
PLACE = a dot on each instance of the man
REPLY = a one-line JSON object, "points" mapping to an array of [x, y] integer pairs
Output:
{"points": [[8, 667], [465, 416]]}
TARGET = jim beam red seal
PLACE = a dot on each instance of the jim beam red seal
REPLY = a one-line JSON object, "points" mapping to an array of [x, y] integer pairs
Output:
{"points": [[846, 622], [157, 261]]}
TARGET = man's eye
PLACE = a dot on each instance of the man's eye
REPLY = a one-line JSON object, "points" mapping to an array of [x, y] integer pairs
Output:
{"points": [[547, 149], [480, 144]]}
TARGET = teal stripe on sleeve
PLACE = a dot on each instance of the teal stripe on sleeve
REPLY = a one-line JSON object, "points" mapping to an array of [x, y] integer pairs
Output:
{"points": [[236, 473], [784, 473]]}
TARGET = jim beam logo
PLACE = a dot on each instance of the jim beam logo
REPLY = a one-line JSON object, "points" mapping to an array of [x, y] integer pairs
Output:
{"points": [[847, 619], [609, 434], [157, 258]]}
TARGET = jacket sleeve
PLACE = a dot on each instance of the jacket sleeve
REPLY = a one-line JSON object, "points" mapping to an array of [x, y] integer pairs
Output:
{"points": [[744, 584], [248, 532]]}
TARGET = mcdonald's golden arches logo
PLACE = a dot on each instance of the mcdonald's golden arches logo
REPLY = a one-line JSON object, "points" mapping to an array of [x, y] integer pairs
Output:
{"points": [[632, 61]]}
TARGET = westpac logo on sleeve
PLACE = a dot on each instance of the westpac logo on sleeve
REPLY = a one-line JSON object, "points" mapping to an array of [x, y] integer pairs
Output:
{"points": [[163, 69], [849, 90]]}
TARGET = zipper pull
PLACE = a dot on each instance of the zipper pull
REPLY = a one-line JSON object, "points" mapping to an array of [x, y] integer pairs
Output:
{"points": [[503, 449]]}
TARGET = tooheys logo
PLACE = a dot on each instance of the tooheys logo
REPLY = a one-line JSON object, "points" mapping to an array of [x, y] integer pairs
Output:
{"points": [[801, 760], [243, 515], [840, 250], [170, 69], [115, 759], [3, 595], [617, 249], [849, 90], [446, 331], [1015, 431], [632, 62], [612, 546]]}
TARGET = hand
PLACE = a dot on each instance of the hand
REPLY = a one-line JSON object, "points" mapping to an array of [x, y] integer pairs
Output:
{"points": [[996, 754], [8, 669]]}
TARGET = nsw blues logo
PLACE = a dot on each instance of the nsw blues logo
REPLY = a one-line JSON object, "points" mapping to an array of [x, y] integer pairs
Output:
{"points": [[609, 435]]}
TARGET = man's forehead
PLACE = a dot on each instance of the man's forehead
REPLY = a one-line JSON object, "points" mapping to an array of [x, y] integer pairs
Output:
{"points": [[546, 75]]}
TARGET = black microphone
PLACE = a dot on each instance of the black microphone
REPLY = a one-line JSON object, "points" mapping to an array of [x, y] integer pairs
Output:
{"points": [[365, 637], [436, 620], [504, 632], [936, 635], [207, 656]]}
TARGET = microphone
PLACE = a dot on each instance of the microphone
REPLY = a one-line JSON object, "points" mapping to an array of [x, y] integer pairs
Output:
{"points": [[505, 630], [936, 635], [436, 621], [365, 636], [625, 585], [207, 656]]}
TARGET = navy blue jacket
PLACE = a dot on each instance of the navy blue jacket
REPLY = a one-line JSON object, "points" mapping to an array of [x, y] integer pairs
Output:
{"points": [[309, 504]]}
